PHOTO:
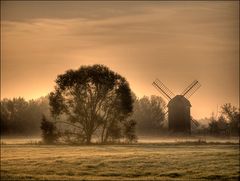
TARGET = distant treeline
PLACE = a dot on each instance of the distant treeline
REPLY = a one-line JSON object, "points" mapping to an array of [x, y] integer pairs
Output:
{"points": [[150, 115], [228, 123], [21, 117], [224, 123]]}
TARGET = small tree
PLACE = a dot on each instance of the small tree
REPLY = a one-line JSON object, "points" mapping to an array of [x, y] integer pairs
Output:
{"points": [[113, 132], [130, 130], [49, 131], [232, 115]]}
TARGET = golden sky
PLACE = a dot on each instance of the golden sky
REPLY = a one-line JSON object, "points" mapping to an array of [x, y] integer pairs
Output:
{"points": [[176, 42]]}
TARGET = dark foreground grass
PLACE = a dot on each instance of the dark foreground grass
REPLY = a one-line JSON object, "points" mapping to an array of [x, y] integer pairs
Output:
{"points": [[120, 162]]}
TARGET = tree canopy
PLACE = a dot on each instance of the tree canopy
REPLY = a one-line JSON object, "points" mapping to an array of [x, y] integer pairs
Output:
{"points": [[93, 99]]}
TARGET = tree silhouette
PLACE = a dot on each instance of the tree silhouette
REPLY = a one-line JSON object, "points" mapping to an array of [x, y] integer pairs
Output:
{"points": [[232, 115], [149, 113], [93, 99], [129, 130], [21, 117], [49, 131]]}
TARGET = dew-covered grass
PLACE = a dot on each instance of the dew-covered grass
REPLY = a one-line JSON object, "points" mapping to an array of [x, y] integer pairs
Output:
{"points": [[120, 162]]}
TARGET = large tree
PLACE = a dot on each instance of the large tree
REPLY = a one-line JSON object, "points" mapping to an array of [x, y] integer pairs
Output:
{"points": [[92, 99]]}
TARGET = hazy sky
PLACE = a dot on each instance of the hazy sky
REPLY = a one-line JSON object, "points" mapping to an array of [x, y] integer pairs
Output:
{"points": [[176, 42]]}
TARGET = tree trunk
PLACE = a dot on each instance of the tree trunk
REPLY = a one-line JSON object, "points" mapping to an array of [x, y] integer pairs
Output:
{"points": [[88, 138], [106, 137], [103, 132]]}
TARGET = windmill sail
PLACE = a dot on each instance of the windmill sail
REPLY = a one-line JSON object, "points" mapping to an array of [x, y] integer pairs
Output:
{"points": [[191, 89], [194, 123], [163, 89]]}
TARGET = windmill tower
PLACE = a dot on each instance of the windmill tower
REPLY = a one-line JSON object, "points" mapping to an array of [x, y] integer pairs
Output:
{"points": [[179, 117]]}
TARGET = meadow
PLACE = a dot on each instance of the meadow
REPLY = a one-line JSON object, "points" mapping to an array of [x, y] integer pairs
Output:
{"points": [[142, 161]]}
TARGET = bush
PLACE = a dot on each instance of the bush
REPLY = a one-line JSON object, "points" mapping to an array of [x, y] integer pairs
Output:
{"points": [[130, 131], [49, 131]]}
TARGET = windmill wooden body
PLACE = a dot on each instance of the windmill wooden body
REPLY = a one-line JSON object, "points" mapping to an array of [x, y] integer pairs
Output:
{"points": [[179, 114]]}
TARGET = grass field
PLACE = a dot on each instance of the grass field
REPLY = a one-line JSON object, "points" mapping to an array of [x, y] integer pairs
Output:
{"points": [[120, 162]]}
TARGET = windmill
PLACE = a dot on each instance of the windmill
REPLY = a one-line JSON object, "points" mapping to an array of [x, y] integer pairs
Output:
{"points": [[179, 118]]}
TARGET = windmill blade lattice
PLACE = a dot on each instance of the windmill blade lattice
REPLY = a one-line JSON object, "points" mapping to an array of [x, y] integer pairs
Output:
{"points": [[194, 124], [163, 89], [191, 89]]}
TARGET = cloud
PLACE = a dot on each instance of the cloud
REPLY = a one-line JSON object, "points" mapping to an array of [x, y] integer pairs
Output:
{"points": [[25, 10]]}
